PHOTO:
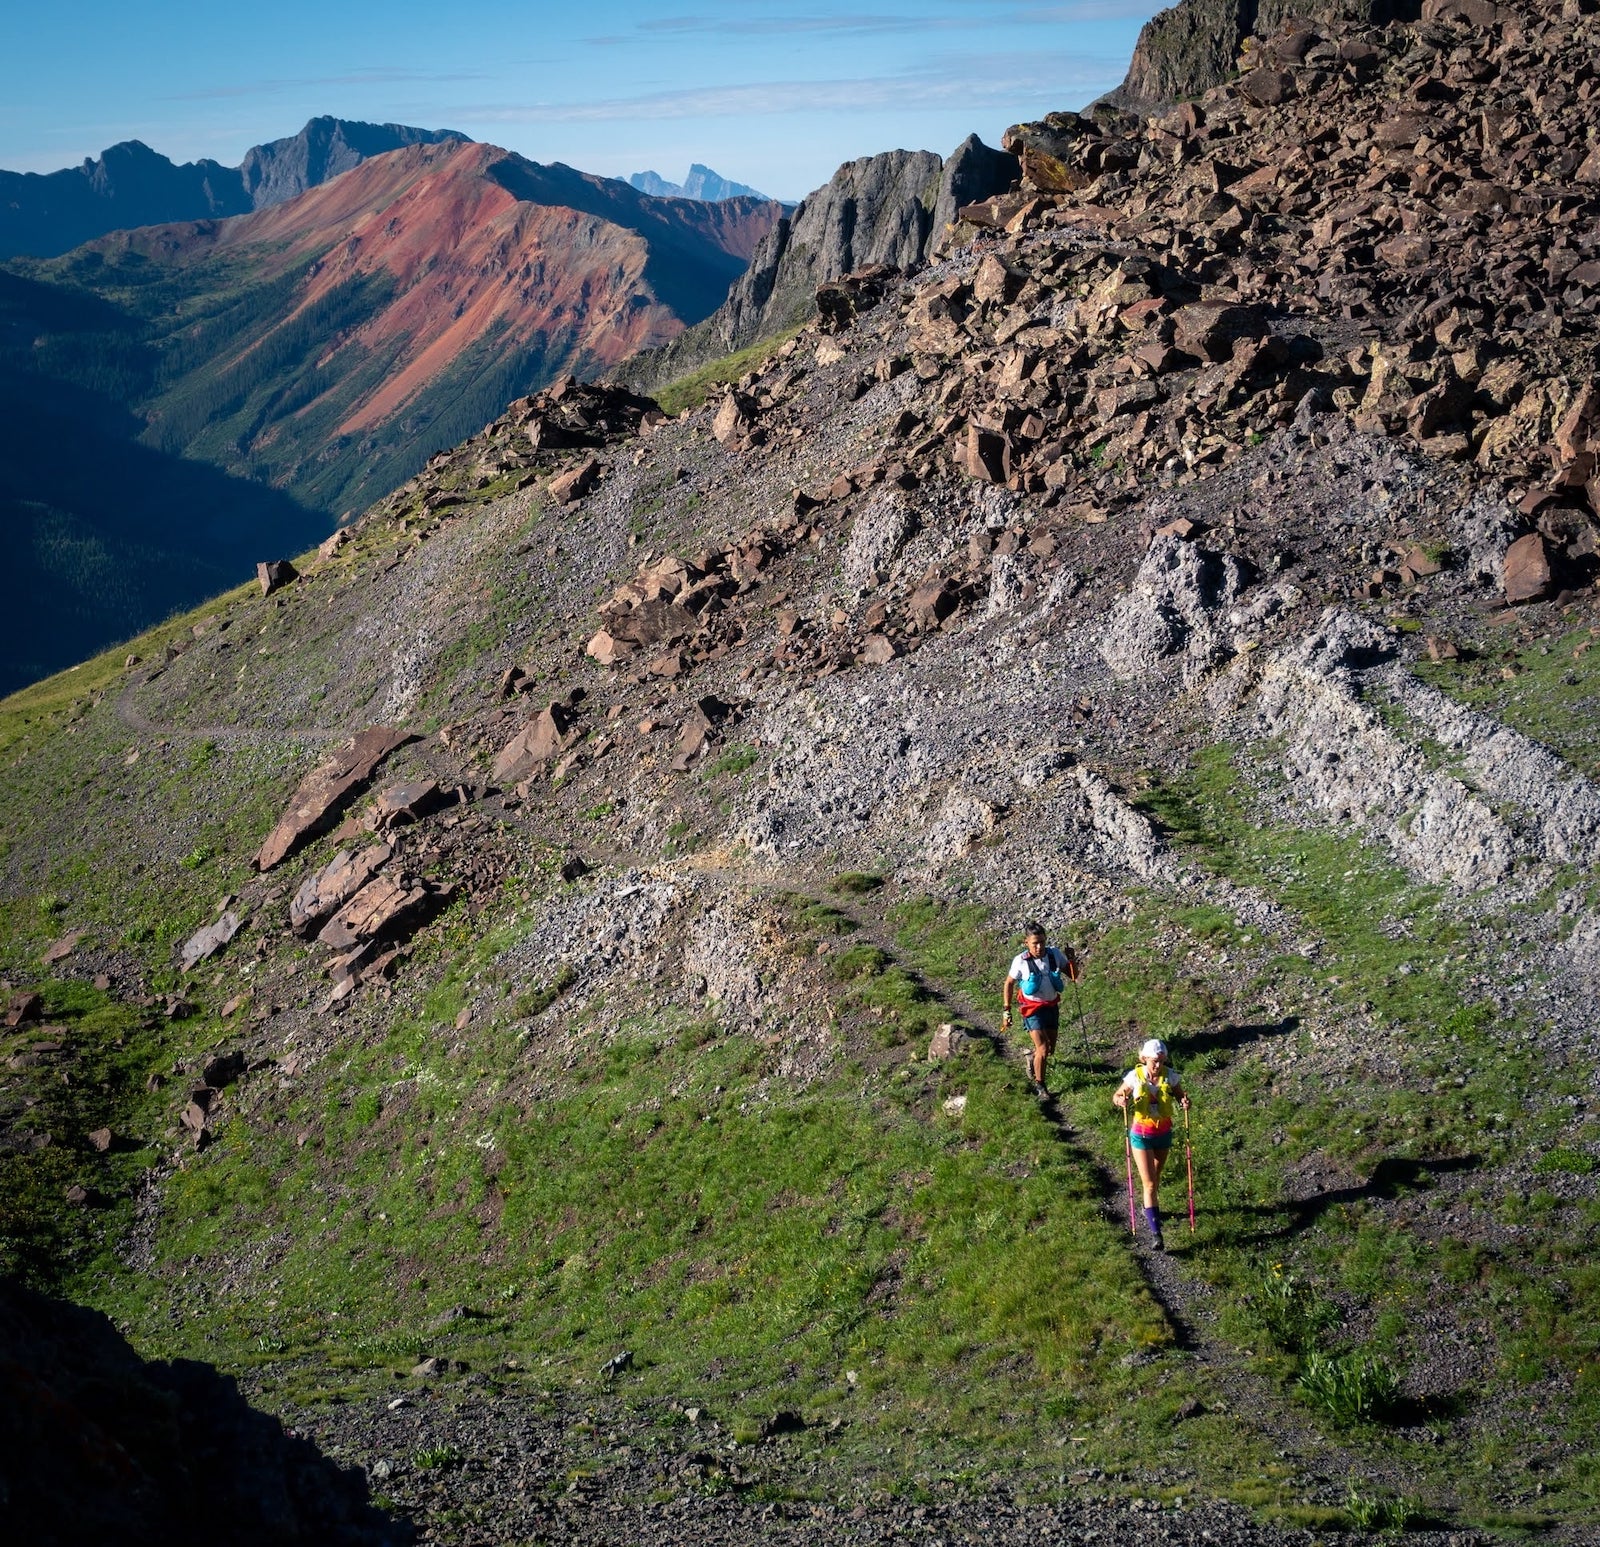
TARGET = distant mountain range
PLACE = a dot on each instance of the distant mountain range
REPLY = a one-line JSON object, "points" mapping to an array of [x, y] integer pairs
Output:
{"points": [[701, 183], [45, 214], [182, 400]]}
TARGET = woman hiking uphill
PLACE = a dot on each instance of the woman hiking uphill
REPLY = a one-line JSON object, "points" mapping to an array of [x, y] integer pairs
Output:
{"points": [[1036, 978], [1152, 1087]]}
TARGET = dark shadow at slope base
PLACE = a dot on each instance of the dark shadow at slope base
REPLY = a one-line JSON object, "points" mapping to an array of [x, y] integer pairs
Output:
{"points": [[98, 1445]]}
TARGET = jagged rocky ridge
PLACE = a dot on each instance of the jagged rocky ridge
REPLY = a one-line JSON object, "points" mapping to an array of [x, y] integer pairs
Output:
{"points": [[1195, 45], [130, 185], [889, 209]]}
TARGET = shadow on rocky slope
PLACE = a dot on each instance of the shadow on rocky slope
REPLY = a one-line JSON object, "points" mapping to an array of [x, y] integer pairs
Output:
{"points": [[98, 1444]]}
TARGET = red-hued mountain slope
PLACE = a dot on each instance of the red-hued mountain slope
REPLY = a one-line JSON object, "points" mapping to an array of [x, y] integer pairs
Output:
{"points": [[332, 342]]}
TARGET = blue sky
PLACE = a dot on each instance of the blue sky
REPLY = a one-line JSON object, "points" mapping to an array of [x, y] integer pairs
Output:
{"points": [[772, 94]]}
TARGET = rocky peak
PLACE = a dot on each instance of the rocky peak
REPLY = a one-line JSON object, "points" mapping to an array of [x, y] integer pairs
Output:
{"points": [[1195, 45], [283, 169], [130, 185], [888, 209], [701, 183]]}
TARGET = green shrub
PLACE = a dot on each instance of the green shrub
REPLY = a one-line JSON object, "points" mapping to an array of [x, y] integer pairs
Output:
{"points": [[1563, 1158], [860, 961], [1350, 1388], [532, 1003], [1291, 1312], [824, 920], [734, 761], [1377, 1512], [439, 1456]]}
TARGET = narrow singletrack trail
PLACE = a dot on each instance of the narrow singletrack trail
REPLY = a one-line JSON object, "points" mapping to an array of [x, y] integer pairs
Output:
{"points": [[1188, 1303], [132, 716]]}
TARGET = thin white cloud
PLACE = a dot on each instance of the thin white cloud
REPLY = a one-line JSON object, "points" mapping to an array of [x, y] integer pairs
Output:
{"points": [[984, 15], [971, 83]]}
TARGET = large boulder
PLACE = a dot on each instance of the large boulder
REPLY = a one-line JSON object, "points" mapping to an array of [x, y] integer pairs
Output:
{"points": [[335, 884], [1527, 570], [274, 575], [535, 744], [387, 908], [205, 943], [325, 790]]}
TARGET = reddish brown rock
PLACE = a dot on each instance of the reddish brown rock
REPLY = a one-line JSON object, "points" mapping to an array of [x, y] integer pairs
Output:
{"points": [[985, 455], [59, 950], [1527, 570], [734, 421], [1265, 87], [1406, 251], [995, 282], [24, 1008], [535, 744], [409, 801], [1575, 434], [877, 650], [1208, 330], [325, 790], [571, 486], [931, 604], [274, 575], [697, 729], [385, 908], [332, 886], [607, 650]]}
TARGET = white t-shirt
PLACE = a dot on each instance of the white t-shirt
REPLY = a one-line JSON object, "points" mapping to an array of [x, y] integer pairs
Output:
{"points": [[1025, 966]]}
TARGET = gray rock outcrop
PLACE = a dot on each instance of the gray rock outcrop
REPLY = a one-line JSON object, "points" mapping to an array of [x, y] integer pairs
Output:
{"points": [[1342, 759], [888, 209], [284, 169], [1195, 45], [1178, 606], [974, 171]]}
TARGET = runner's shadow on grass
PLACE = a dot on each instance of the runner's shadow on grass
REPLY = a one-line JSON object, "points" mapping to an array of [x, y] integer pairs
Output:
{"points": [[1391, 1178], [1227, 1039]]}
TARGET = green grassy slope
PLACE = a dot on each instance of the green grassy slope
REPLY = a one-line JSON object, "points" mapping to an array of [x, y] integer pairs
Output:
{"points": [[1386, 1311]]}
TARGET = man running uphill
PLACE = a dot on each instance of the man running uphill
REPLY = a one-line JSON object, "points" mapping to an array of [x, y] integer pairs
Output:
{"points": [[1148, 1093], [1035, 980]]}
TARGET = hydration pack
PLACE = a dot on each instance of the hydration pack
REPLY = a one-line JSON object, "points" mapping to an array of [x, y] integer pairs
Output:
{"points": [[1045, 970]]}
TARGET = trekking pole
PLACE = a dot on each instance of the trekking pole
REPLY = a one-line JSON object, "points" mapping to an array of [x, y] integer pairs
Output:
{"points": [[1127, 1145], [1188, 1156], [1077, 999]]}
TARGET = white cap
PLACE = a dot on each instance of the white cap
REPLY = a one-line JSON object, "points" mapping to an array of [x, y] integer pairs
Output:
{"points": [[1153, 1048]]}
